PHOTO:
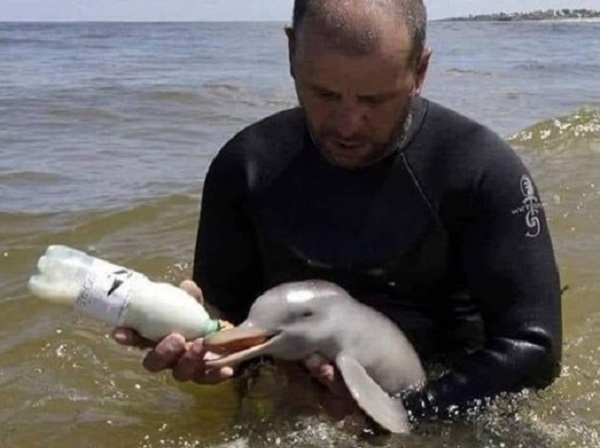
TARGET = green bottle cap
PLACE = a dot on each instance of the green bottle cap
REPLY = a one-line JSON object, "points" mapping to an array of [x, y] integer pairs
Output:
{"points": [[211, 326]]}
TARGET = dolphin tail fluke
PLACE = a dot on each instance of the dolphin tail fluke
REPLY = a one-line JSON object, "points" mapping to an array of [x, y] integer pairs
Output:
{"points": [[386, 411]]}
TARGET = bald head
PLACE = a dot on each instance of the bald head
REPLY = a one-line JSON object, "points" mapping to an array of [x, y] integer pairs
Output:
{"points": [[356, 26]]}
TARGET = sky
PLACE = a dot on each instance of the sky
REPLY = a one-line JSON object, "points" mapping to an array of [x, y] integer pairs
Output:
{"points": [[234, 10]]}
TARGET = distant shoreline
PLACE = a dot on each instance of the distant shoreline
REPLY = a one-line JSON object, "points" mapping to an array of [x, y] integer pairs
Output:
{"points": [[568, 20], [550, 15], [588, 19]]}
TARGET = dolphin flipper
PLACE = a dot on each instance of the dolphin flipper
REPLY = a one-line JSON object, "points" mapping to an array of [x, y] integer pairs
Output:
{"points": [[388, 412]]}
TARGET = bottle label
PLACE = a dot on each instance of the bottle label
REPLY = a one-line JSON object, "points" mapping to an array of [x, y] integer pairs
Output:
{"points": [[106, 292]]}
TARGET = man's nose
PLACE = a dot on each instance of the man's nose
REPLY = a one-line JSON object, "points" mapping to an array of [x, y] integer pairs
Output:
{"points": [[348, 120]]}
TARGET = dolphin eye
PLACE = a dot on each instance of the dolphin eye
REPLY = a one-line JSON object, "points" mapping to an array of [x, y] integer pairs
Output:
{"points": [[307, 313]]}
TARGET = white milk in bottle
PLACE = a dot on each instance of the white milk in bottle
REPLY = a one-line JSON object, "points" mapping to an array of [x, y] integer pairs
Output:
{"points": [[118, 296]]}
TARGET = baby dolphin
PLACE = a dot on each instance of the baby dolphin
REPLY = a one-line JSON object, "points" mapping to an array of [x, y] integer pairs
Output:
{"points": [[294, 320]]}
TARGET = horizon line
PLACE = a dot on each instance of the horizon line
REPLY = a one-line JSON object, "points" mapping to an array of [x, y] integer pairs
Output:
{"points": [[161, 21]]}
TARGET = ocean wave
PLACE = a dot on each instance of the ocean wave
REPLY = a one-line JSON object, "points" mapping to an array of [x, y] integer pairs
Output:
{"points": [[216, 98], [223, 87], [20, 41], [580, 130], [154, 236], [13, 178], [84, 113], [219, 91], [172, 96], [52, 43], [92, 35], [151, 226], [562, 67], [464, 71]]}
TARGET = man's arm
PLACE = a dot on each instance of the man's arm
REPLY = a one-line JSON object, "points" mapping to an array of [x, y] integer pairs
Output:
{"points": [[226, 259], [508, 262]]}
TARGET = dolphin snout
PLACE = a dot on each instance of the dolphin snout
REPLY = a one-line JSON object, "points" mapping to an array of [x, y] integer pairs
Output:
{"points": [[237, 344]]}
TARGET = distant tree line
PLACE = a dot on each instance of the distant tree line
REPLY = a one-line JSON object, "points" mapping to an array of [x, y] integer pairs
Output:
{"points": [[548, 14]]}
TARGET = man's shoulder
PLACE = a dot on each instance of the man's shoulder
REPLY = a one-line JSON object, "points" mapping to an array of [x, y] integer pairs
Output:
{"points": [[460, 138], [292, 117], [455, 125], [262, 150], [452, 156], [276, 131]]}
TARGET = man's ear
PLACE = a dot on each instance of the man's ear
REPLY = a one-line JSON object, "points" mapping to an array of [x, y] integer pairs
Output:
{"points": [[291, 38], [421, 69]]}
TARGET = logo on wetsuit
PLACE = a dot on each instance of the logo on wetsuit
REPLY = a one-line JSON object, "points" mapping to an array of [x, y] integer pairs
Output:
{"points": [[531, 207]]}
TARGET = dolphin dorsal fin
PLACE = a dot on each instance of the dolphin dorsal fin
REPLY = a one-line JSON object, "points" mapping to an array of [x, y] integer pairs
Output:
{"points": [[388, 412]]}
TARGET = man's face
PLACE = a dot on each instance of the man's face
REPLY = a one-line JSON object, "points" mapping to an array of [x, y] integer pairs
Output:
{"points": [[356, 104]]}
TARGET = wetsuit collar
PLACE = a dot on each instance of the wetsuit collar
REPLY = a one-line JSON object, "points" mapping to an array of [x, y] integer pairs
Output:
{"points": [[416, 115]]}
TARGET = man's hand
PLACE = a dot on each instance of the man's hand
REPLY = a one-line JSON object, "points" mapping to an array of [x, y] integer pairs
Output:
{"points": [[338, 403], [186, 359], [325, 372]]}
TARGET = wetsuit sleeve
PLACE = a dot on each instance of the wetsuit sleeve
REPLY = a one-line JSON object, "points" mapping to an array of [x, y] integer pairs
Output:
{"points": [[507, 259], [226, 261]]}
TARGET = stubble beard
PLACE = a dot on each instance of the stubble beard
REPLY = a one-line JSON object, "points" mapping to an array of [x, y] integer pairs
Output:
{"points": [[381, 151]]}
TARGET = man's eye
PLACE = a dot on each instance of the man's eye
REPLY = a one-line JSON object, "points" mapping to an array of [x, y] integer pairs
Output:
{"points": [[327, 96], [372, 100]]}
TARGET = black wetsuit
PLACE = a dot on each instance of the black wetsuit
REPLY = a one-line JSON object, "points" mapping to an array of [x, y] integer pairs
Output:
{"points": [[446, 236]]}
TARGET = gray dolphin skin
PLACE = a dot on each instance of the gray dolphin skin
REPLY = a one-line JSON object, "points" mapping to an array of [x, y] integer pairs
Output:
{"points": [[294, 320]]}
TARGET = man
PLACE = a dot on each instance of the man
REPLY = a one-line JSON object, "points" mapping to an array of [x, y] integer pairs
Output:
{"points": [[416, 210]]}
